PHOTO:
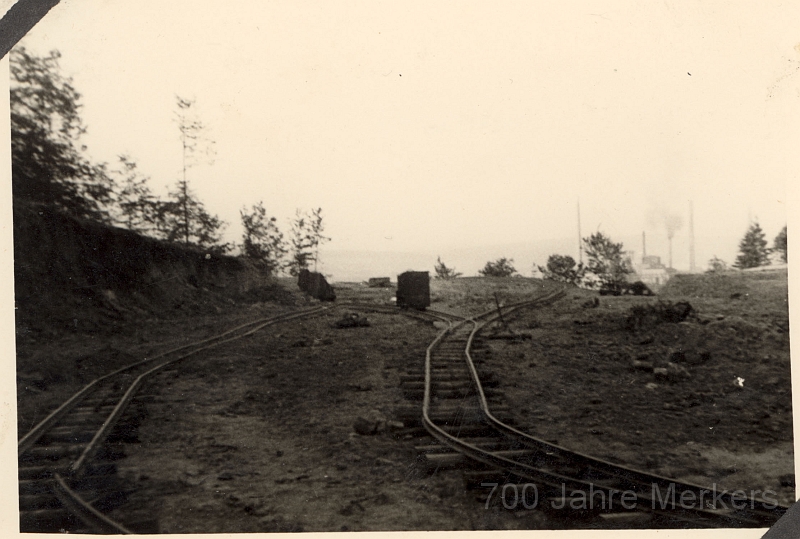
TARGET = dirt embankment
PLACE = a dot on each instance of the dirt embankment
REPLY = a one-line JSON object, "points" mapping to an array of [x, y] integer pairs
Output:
{"points": [[91, 298]]}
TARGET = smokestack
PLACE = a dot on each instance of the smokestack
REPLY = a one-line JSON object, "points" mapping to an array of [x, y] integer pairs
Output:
{"points": [[644, 247], [670, 251], [691, 236]]}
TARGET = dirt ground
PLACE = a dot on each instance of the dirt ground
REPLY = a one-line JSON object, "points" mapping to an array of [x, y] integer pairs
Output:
{"points": [[259, 436], [724, 416]]}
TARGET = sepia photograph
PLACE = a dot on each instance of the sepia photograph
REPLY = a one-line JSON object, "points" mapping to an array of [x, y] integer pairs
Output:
{"points": [[415, 266]]}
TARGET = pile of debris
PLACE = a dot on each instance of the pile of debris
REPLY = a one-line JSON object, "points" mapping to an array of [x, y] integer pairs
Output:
{"points": [[656, 313], [352, 320]]}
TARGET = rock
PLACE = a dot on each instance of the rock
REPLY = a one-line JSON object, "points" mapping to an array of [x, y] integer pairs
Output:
{"points": [[677, 357], [651, 385], [372, 423], [642, 365], [676, 373], [225, 476], [394, 425], [787, 480], [383, 462], [365, 426], [661, 374], [647, 340]]}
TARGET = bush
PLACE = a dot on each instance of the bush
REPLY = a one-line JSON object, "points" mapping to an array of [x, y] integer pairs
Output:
{"points": [[563, 269], [502, 267]]}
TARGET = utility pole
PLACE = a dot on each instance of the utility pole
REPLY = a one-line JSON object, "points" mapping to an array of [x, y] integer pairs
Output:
{"points": [[691, 237], [580, 241]]}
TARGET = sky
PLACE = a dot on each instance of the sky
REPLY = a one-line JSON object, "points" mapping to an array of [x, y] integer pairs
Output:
{"points": [[454, 127]]}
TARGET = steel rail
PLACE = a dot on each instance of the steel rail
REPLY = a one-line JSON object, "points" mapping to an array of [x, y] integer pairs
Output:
{"points": [[36, 432], [635, 479], [71, 500]]}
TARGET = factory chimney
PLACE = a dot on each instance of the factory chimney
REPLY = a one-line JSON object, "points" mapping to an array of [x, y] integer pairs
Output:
{"points": [[644, 247], [691, 237]]}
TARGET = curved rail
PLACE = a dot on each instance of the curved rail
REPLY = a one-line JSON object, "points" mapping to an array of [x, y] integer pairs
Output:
{"points": [[527, 458], [60, 448]]}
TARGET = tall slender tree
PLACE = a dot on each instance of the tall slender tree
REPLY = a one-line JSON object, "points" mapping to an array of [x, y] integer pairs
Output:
{"points": [[183, 217]]}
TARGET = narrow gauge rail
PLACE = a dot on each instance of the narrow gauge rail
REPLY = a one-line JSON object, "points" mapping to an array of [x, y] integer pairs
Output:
{"points": [[66, 471], [456, 412]]}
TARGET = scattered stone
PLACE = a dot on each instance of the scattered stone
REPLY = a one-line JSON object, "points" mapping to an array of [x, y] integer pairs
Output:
{"points": [[677, 357], [651, 385], [647, 340], [642, 365], [352, 320], [736, 295], [676, 373], [278, 453], [383, 462], [225, 476], [394, 425], [661, 374], [373, 423], [359, 387], [670, 407], [787, 480], [591, 303]]}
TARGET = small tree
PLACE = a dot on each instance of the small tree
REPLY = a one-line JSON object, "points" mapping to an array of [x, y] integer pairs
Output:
{"points": [[262, 241], [183, 218], [753, 251], [606, 259], [305, 240], [563, 269], [716, 265], [502, 267], [443, 272], [781, 246], [316, 227], [137, 206]]}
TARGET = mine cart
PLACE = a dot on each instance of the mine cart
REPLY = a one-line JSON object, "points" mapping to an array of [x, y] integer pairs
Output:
{"points": [[413, 290]]}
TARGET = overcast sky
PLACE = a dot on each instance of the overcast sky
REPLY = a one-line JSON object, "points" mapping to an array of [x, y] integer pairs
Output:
{"points": [[421, 126]]}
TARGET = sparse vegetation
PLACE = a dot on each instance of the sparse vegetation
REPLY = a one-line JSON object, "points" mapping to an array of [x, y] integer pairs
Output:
{"points": [[305, 240], [606, 260], [563, 269], [716, 265], [443, 272], [262, 241], [502, 267]]}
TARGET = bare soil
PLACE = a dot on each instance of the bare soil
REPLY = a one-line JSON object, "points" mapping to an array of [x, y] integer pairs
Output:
{"points": [[259, 436]]}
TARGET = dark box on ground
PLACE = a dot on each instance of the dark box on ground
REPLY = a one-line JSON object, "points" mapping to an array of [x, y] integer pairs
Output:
{"points": [[413, 290], [315, 285]]}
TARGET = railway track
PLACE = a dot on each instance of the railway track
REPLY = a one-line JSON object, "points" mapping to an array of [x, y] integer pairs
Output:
{"points": [[473, 430], [67, 475]]}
